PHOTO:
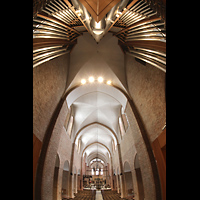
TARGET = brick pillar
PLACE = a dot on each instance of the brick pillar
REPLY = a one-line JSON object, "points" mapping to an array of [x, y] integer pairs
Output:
{"points": [[81, 175], [111, 173], [71, 177], [121, 169]]}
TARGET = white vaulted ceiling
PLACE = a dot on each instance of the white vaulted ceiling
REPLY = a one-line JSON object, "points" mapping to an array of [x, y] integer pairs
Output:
{"points": [[96, 106]]}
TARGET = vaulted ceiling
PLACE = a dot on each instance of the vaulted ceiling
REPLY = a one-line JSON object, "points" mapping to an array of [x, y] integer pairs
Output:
{"points": [[117, 27]]}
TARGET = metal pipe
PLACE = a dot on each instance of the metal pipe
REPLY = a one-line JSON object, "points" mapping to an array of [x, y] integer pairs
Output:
{"points": [[135, 6], [135, 20], [65, 6], [148, 38], [145, 31], [52, 7], [50, 58], [49, 28], [49, 24], [49, 36], [52, 21], [130, 17], [60, 18], [46, 48], [75, 4], [149, 56], [159, 66], [109, 16], [141, 5], [151, 51], [153, 33], [58, 8], [122, 5], [64, 16], [66, 12], [49, 32], [60, 4], [124, 17], [49, 9], [146, 27], [142, 8], [43, 55]]}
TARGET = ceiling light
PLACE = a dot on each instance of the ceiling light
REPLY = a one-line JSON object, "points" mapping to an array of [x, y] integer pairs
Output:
{"points": [[83, 81], [100, 79], [91, 79], [109, 82]]}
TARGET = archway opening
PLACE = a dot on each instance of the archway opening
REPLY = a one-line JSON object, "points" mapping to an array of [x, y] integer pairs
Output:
{"points": [[55, 179], [128, 180], [65, 180], [139, 178]]}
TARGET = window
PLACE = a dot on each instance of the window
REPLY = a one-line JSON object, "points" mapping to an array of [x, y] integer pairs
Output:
{"points": [[125, 121], [101, 172], [121, 127], [92, 171], [67, 119], [113, 146], [79, 145], [70, 124]]}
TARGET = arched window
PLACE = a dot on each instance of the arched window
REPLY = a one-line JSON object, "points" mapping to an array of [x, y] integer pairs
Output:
{"points": [[70, 124]]}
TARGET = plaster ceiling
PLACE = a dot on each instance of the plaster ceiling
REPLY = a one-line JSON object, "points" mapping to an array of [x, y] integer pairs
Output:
{"points": [[96, 106]]}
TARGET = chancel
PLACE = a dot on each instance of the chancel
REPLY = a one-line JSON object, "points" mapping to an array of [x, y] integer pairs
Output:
{"points": [[99, 99]]}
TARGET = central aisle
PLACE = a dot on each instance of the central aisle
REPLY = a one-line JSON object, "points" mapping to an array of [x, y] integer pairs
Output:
{"points": [[98, 195]]}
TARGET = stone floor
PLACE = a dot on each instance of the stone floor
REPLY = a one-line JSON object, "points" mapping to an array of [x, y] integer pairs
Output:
{"points": [[98, 195]]}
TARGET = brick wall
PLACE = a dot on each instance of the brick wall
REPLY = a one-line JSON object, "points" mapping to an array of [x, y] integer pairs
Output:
{"points": [[146, 85], [49, 82]]}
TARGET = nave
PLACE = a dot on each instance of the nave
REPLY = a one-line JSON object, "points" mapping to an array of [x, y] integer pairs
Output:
{"points": [[98, 195], [99, 99]]}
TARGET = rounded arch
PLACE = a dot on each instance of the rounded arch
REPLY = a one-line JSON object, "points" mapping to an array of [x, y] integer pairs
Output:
{"points": [[94, 155], [66, 165], [136, 162], [79, 90], [128, 179], [112, 132], [96, 143], [127, 167], [65, 179]]}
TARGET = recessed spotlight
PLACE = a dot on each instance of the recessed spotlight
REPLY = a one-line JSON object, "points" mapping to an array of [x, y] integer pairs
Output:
{"points": [[91, 79], [83, 81], [100, 79], [109, 82]]}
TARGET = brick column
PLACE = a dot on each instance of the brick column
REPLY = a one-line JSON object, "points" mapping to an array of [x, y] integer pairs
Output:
{"points": [[122, 177], [71, 177], [111, 173], [81, 175]]}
